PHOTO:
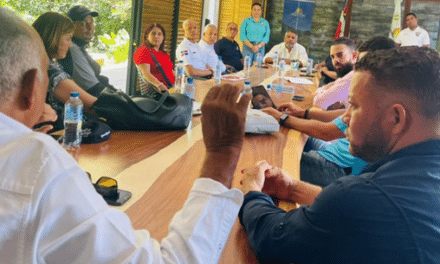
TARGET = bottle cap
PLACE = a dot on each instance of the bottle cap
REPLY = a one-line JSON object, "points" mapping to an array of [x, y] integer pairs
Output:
{"points": [[190, 80], [247, 83], [181, 61], [220, 57], [269, 86], [74, 94]]}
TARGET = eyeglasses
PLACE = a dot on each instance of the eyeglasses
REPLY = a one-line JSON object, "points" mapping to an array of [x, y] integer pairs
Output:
{"points": [[105, 186]]}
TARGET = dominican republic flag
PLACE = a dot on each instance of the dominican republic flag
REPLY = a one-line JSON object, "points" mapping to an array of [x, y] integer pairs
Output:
{"points": [[397, 19], [341, 25]]}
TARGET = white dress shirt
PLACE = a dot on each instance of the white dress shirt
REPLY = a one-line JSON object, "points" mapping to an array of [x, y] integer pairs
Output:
{"points": [[51, 213], [193, 56], [417, 37], [209, 53], [298, 52]]}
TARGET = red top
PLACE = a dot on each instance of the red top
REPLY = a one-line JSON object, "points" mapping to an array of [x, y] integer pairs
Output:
{"points": [[142, 55]]}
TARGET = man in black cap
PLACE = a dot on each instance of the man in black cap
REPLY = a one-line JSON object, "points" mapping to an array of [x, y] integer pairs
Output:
{"points": [[82, 68]]}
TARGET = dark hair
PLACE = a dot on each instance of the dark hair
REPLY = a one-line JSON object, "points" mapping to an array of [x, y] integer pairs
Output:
{"points": [[290, 30], [377, 43], [51, 27], [410, 14], [258, 4], [148, 29], [411, 70], [346, 41]]}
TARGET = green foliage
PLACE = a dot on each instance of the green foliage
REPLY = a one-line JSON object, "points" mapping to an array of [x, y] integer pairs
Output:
{"points": [[117, 45], [114, 16]]}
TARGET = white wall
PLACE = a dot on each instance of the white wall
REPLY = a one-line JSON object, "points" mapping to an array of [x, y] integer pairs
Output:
{"points": [[210, 11]]}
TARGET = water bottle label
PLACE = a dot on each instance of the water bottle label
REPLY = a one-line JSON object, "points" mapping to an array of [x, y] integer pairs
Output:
{"points": [[74, 114]]}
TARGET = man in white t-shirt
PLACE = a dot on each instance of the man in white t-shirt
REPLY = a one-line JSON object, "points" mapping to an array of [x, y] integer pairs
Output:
{"points": [[195, 63], [207, 46], [289, 50], [413, 35]]}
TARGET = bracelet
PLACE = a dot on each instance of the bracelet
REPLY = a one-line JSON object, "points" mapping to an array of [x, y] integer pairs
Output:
{"points": [[306, 114]]}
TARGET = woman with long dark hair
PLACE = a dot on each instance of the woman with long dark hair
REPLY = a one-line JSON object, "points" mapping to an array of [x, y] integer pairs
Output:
{"points": [[151, 56]]}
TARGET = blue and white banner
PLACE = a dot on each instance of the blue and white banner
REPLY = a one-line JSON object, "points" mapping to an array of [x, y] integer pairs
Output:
{"points": [[298, 14]]}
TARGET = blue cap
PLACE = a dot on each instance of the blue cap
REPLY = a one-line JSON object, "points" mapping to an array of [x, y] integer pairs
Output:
{"points": [[190, 80], [220, 57], [247, 83], [74, 94]]}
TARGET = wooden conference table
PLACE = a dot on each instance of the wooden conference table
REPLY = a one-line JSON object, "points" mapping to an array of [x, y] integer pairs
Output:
{"points": [[159, 168]]}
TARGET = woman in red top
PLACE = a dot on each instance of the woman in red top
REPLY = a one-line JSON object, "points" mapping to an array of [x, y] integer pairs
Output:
{"points": [[153, 43]]}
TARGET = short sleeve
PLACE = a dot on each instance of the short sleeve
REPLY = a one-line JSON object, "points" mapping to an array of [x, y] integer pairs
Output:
{"points": [[141, 56], [341, 125]]}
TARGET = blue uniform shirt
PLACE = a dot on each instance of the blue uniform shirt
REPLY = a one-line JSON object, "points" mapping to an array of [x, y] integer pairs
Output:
{"points": [[253, 31]]}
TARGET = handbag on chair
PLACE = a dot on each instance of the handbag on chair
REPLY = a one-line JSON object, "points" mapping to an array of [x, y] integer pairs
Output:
{"points": [[152, 111]]}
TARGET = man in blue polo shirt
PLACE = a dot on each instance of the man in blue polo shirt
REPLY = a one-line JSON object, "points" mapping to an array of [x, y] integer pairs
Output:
{"points": [[228, 48], [254, 32]]}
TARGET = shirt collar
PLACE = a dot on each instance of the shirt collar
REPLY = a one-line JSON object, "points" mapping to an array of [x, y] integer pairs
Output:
{"points": [[80, 42], [12, 124], [205, 44], [429, 147], [259, 21]]}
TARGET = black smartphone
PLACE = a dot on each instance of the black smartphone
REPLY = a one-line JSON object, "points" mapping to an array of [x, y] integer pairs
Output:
{"points": [[260, 98], [118, 199], [298, 98]]}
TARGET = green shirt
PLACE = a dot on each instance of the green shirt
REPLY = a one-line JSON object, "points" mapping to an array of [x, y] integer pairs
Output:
{"points": [[253, 31]]}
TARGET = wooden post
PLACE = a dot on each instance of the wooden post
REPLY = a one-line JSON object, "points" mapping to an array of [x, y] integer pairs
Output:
{"points": [[348, 18]]}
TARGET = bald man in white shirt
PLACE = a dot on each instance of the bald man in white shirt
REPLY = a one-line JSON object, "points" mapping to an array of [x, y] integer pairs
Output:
{"points": [[50, 210]]}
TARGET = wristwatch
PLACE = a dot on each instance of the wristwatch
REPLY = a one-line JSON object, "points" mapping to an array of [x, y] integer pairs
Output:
{"points": [[283, 118]]}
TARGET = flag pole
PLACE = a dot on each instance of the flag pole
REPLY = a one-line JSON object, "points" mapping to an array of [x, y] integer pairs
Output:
{"points": [[348, 18]]}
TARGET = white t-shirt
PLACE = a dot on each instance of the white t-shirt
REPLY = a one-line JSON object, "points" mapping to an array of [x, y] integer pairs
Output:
{"points": [[416, 37], [51, 213], [193, 55], [298, 52], [209, 53]]}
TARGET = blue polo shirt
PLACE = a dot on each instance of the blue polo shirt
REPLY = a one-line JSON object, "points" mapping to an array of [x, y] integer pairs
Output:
{"points": [[253, 31], [230, 52], [338, 152]]}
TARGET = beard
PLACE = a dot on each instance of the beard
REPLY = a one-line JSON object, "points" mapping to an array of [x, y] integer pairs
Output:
{"points": [[374, 146], [346, 68]]}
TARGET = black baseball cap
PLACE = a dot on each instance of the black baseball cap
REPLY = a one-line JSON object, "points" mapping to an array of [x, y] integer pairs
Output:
{"points": [[79, 13]]}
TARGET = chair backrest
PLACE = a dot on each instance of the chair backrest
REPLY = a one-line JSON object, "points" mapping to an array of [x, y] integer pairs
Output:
{"points": [[144, 86]]}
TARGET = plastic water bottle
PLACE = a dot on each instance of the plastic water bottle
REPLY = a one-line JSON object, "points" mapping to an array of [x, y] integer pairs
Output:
{"points": [[189, 89], [180, 75], [259, 60], [275, 61], [310, 66], [247, 65], [282, 68], [247, 87], [294, 64], [73, 116], [247, 90], [279, 88], [218, 71]]}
